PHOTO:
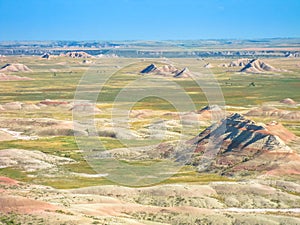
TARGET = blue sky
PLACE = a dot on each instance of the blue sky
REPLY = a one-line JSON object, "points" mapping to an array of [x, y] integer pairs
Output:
{"points": [[147, 19]]}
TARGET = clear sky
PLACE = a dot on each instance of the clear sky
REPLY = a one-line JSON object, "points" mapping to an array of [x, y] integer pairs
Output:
{"points": [[148, 19]]}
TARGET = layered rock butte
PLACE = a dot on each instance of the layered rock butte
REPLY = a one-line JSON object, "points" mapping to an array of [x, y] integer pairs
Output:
{"points": [[258, 66], [236, 142], [237, 145], [167, 70], [15, 67], [78, 55]]}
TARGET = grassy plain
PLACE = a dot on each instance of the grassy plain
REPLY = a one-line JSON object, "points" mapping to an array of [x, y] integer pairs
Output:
{"points": [[57, 79]]}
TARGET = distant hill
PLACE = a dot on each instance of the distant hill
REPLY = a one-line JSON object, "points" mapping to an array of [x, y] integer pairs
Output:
{"points": [[288, 101], [183, 73], [15, 67], [293, 55], [166, 70], [258, 66], [267, 47], [208, 66], [46, 56], [269, 111], [239, 62], [78, 55], [149, 68]]}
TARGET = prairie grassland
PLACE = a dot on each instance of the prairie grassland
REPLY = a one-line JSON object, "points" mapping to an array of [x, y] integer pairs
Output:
{"points": [[235, 86], [58, 78]]}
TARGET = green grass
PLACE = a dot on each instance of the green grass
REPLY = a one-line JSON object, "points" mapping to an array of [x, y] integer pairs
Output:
{"points": [[79, 182], [187, 174], [14, 174], [59, 146], [63, 86], [75, 182], [9, 219]]}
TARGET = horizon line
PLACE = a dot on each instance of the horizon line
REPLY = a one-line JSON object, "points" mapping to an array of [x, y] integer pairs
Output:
{"points": [[125, 40]]}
